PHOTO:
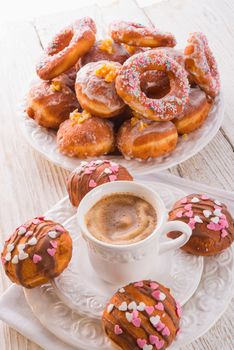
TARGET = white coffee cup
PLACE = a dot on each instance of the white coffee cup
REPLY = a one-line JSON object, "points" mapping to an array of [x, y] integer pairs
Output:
{"points": [[120, 264]]}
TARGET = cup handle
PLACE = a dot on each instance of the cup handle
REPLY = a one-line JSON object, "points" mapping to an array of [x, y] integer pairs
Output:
{"points": [[178, 242]]}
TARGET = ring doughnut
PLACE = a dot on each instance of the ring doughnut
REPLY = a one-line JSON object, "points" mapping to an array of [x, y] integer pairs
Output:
{"points": [[201, 64], [128, 85], [95, 89], [144, 139], [135, 34], [66, 48]]}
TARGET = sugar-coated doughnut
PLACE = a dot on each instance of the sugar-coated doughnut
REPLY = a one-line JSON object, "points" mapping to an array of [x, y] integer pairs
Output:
{"points": [[92, 174], [201, 64], [211, 223], [83, 135], [49, 103], [36, 252], [95, 89], [66, 48], [106, 50], [195, 112], [144, 139], [142, 315], [128, 85], [135, 34]]}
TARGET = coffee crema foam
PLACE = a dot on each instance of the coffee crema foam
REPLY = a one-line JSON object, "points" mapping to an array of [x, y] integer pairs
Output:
{"points": [[121, 218]]}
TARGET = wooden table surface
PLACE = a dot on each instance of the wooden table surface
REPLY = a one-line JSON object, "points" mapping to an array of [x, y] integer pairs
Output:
{"points": [[29, 184]]}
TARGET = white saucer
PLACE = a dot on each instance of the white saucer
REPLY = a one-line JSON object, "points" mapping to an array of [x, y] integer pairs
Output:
{"points": [[83, 291]]}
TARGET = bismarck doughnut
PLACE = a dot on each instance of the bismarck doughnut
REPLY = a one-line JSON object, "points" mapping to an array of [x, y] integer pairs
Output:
{"points": [[36, 252], [211, 223], [92, 174], [142, 315]]}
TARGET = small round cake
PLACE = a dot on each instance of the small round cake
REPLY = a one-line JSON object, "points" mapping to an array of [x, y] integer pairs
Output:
{"points": [[142, 315], [36, 252], [93, 174], [211, 223]]}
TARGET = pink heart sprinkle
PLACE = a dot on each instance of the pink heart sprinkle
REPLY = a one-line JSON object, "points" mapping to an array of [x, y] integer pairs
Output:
{"points": [[192, 223], [135, 314], [149, 310], [223, 223], [184, 200], [54, 244], [87, 172], [159, 344], [156, 294], [141, 343], [139, 284], [59, 228], [204, 197], [114, 168], [153, 339], [36, 221], [92, 183], [36, 258], [112, 177], [213, 227], [92, 168], [29, 233], [159, 306], [160, 325], [136, 322], [118, 330], [189, 214], [188, 207], [224, 233], [179, 214], [51, 251], [154, 285], [166, 331]]}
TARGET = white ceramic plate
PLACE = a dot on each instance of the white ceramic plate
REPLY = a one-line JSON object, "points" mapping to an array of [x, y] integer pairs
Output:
{"points": [[207, 304], [44, 141]]}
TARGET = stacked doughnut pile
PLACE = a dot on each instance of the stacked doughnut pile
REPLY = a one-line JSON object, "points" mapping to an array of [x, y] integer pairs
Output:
{"points": [[132, 93]]}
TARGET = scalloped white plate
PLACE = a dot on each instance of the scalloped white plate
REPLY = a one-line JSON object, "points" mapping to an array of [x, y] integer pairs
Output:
{"points": [[44, 141]]}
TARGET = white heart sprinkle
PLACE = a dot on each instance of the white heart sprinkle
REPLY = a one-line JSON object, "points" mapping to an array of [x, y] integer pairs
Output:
{"points": [[99, 161], [22, 255], [107, 171], [52, 234], [141, 306], [198, 219], [207, 213], [123, 306], [195, 200], [8, 256], [10, 247], [128, 316], [155, 320], [122, 290], [15, 260], [218, 202], [215, 219], [21, 246], [21, 231], [32, 241], [110, 307], [147, 347], [217, 212], [132, 306], [162, 296]]}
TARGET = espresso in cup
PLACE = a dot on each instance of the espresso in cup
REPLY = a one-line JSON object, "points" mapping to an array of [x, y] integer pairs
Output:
{"points": [[121, 218]]}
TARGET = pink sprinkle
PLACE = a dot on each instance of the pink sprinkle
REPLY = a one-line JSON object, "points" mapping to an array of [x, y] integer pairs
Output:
{"points": [[224, 233], [118, 330], [223, 223], [153, 339], [217, 207], [112, 177], [29, 233], [135, 314], [156, 294], [3, 260], [184, 200], [54, 244], [87, 172], [139, 284], [149, 310], [59, 228], [179, 214], [204, 197], [159, 306], [159, 344], [136, 322], [36, 258], [192, 224], [114, 168], [92, 168], [166, 331], [36, 221], [214, 227], [188, 206], [154, 285], [189, 214], [141, 343], [51, 251], [92, 183], [160, 326], [178, 309]]}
